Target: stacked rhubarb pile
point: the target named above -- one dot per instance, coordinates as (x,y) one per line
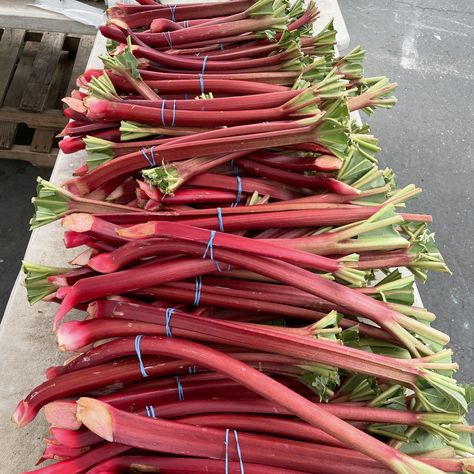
(241,302)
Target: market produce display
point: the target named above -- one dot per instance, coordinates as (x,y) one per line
(240,277)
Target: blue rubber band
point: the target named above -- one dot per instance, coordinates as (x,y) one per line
(221,46)
(197,54)
(174,113)
(201,82)
(204,62)
(192,370)
(173,11)
(139,355)
(169,313)
(197,294)
(239,185)
(186,96)
(163,113)
(180,389)
(151,160)
(186,23)
(150,411)
(209,248)
(239,192)
(239,452)
(169,39)
(220,219)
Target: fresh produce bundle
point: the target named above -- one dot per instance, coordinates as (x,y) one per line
(241,285)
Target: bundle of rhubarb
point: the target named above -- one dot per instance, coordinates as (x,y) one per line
(241,285)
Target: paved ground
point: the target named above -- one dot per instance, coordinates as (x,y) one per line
(426,46)
(17,185)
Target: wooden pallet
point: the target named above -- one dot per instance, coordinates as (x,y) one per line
(37,70)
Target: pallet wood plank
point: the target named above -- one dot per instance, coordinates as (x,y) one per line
(39,84)
(8,129)
(23,152)
(82,56)
(53,119)
(43,138)
(10,46)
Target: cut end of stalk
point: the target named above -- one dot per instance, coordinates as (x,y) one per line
(23,414)
(78,222)
(139,231)
(75,104)
(68,336)
(103,264)
(62,414)
(96,416)
(51,203)
(329,163)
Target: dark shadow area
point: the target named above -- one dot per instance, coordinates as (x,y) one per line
(17,186)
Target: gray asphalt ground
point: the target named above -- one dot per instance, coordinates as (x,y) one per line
(427,48)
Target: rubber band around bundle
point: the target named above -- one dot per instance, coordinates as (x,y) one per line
(169,39)
(186,23)
(150,411)
(239,451)
(209,248)
(239,185)
(192,369)
(220,219)
(173,12)
(197,294)
(139,355)
(180,389)
(150,159)
(169,313)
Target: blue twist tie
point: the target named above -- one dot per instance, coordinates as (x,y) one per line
(180,389)
(150,411)
(239,452)
(150,159)
(139,355)
(169,313)
(209,249)
(173,11)
(169,39)
(163,113)
(220,219)
(197,294)
(174,113)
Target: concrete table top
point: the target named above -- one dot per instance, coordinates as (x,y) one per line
(27,343)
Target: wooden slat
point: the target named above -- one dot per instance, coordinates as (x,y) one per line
(53,119)
(71,42)
(82,56)
(43,138)
(15,92)
(39,84)
(10,46)
(23,152)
